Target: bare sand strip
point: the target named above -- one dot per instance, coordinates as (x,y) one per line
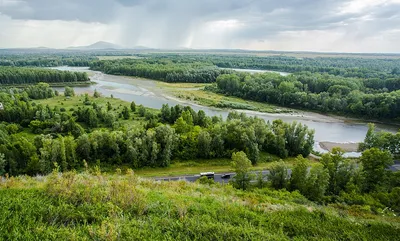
(346,147)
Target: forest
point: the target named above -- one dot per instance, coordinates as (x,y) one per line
(70,141)
(21,76)
(92,132)
(45,60)
(358,87)
(35,139)
(164,70)
(375,99)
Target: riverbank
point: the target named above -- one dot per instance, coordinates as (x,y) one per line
(346,147)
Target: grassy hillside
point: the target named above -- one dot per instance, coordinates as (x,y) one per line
(94,206)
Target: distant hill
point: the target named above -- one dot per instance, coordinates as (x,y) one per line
(99,45)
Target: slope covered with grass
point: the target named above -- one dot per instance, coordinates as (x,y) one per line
(95,206)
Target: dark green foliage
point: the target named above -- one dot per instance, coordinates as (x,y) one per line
(320,92)
(125,113)
(133,106)
(241,165)
(69,91)
(160,69)
(96,94)
(45,60)
(381,140)
(16,76)
(340,171)
(375,162)
(278,176)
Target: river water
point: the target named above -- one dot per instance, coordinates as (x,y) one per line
(146,92)
(255,71)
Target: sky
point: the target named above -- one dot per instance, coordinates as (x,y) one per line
(288,25)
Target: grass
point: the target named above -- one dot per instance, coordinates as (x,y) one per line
(96,206)
(195,92)
(192,167)
(208,98)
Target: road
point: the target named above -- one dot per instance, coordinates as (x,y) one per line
(193,178)
(218,176)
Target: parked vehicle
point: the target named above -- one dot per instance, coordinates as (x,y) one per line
(209,175)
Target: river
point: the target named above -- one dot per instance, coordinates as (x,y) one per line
(147,93)
(256,71)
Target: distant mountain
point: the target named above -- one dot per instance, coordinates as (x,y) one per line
(99,45)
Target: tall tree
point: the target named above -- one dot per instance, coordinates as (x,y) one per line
(375,163)
(241,165)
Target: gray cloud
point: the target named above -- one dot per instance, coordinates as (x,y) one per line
(173,23)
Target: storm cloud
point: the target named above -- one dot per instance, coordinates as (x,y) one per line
(325,25)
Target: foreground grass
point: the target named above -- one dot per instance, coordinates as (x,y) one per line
(95,206)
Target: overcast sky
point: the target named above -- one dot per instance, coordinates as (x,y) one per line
(308,25)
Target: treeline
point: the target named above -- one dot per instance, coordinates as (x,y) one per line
(164,70)
(92,132)
(342,66)
(367,184)
(320,92)
(29,60)
(17,75)
(382,140)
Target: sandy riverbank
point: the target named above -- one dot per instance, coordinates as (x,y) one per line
(346,147)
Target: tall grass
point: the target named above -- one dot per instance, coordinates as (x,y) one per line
(95,206)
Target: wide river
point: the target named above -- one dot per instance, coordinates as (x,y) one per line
(147,93)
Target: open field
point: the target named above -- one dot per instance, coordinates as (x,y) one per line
(194,92)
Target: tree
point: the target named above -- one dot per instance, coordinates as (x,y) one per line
(3,163)
(125,113)
(133,106)
(241,165)
(96,94)
(92,118)
(374,164)
(316,184)
(83,147)
(340,171)
(204,144)
(166,113)
(299,175)
(278,176)
(109,119)
(142,111)
(69,91)
(109,106)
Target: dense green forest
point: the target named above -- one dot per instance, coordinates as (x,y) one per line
(341,66)
(378,99)
(18,76)
(35,139)
(92,132)
(85,132)
(164,70)
(360,87)
(45,60)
